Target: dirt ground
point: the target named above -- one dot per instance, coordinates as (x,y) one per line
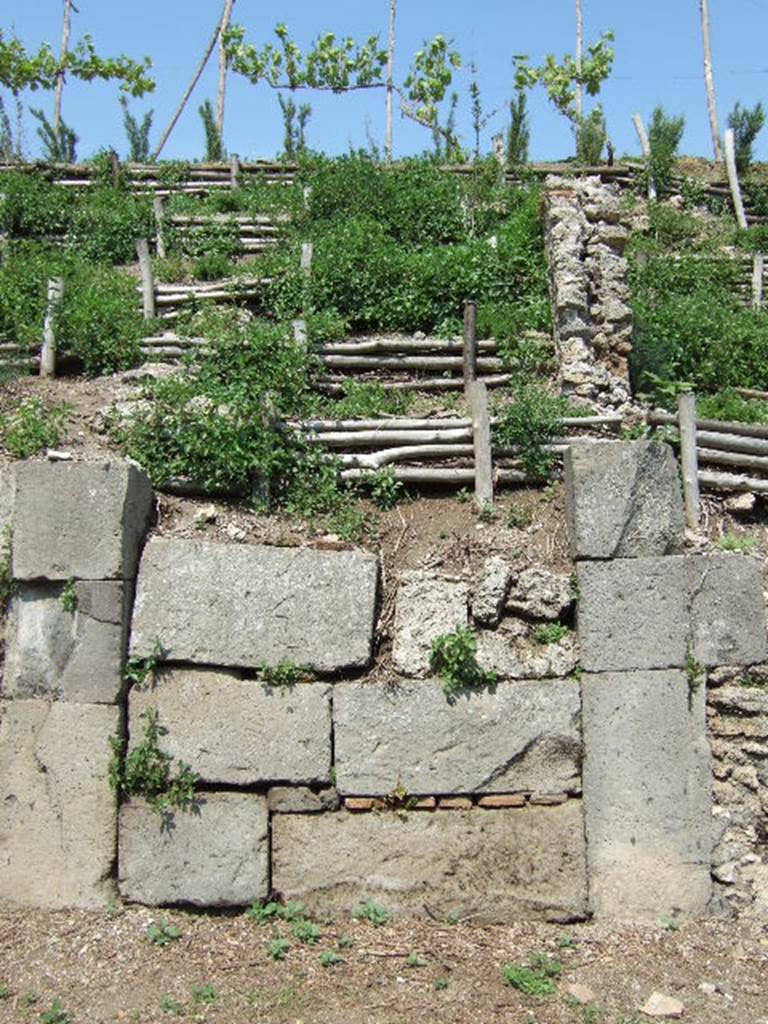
(101,967)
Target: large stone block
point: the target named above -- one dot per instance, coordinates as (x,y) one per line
(427,606)
(519,737)
(498,865)
(57,813)
(241,732)
(727,609)
(244,605)
(69,655)
(647,797)
(214,855)
(654,612)
(623,500)
(79,519)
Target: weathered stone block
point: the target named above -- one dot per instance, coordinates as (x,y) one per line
(632,613)
(491,590)
(518,656)
(214,855)
(623,500)
(57,813)
(244,605)
(69,655)
(727,609)
(540,594)
(496,865)
(241,732)
(427,607)
(300,800)
(79,519)
(646,795)
(519,737)
(653,612)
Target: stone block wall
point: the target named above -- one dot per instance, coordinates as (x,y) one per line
(579,783)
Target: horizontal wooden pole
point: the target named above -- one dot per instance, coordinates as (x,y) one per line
(723,458)
(376,345)
(430,475)
(732,482)
(658,418)
(488,363)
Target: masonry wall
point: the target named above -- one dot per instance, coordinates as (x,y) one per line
(579,784)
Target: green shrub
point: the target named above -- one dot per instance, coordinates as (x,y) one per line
(105,224)
(31,207)
(528,981)
(529,422)
(747,125)
(100,320)
(664,135)
(32,427)
(453,657)
(727,405)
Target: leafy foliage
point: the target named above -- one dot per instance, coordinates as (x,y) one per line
(373,912)
(747,125)
(519,132)
(294,126)
(57,147)
(32,427)
(146,770)
(592,137)
(137,133)
(527,980)
(528,423)
(453,657)
(664,135)
(214,147)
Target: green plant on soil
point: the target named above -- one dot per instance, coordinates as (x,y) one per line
(32,427)
(203,995)
(330,958)
(56,1015)
(278,947)
(290,911)
(163,933)
(528,981)
(386,490)
(453,657)
(528,423)
(146,770)
(552,633)
(307,932)
(733,542)
(372,912)
(168,1005)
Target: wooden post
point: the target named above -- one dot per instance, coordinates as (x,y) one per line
(498,151)
(147,279)
(300,333)
(733,179)
(48,348)
(268,423)
(115,163)
(234,170)
(686,424)
(306,258)
(758,268)
(158,205)
(470,344)
(645,146)
(477,393)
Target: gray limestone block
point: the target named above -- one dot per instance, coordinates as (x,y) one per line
(238,731)
(632,613)
(68,655)
(648,613)
(7,500)
(58,815)
(511,655)
(213,855)
(246,605)
(427,607)
(647,795)
(79,519)
(497,865)
(517,737)
(727,609)
(623,500)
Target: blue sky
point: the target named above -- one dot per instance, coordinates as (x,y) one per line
(658,60)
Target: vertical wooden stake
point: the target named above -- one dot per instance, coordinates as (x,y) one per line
(115,162)
(686,422)
(300,333)
(645,146)
(477,394)
(470,344)
(147,278)
(234,170)
(306,258)
(758,269)
(158,204)
(268,421)
(48,348)
(733,179)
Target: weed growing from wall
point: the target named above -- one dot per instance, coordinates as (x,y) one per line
(146,770)
(453,657)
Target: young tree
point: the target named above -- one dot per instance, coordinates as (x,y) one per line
(709,80)
(294,126)
(214,150)
(519,133)
(20,69)
(747,125)
(562,80)
(137,133)
(59,146)
(344,66)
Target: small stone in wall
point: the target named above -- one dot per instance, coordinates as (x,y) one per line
(491,589)
(427,606)
(540,594)
(740,504)
(512,653)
